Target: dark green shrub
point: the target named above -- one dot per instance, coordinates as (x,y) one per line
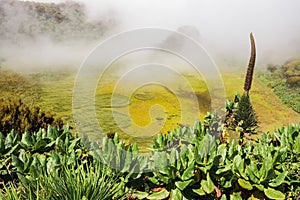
(244,116)
(293,81)
(16,115)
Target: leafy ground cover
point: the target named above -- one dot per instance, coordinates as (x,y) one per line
(187,163)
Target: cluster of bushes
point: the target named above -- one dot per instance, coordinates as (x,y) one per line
(285,82)
(18,116)
(290,71)
(188,163)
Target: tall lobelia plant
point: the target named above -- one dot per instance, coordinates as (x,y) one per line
(245,118)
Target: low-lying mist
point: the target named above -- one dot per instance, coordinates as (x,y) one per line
(36,35)
(55,33)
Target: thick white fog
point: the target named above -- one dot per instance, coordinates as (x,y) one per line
(223,27)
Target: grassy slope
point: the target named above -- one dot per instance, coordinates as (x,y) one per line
(271,112)
(56,96)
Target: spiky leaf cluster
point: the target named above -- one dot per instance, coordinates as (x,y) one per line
(245,116)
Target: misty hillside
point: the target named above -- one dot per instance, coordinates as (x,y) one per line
(25,21)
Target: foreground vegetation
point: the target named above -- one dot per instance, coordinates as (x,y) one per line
(188,163)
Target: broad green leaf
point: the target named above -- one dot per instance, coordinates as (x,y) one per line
(182,184)
(266,167)
(183,156)
(25,158)
(279,179)
(12,150)
(116,139)
(245,184)
(223,197)
(259,187)
(135,149)
(222,151)
(73,144)
(40,144)
(159,140)
(50,144)
(160,159)
(188,173)
(165,171)
(232,149)
(140,195)
(173,157)
(236,162)
(207,185)
(105,144)
(235,196)
(273,194)
(225,169)
(241,169)
(10,139)
(27,139)
(52,133)
(251,175)
(199,191)
(190,154)
(127,163)
(143,160)
(154,180)
(163,178)
(17,163)
(225,182)
(39,135)
(176,194)
(159,195)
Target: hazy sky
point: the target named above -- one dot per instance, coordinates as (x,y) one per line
(224,25)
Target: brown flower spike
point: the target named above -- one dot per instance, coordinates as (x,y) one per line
(250,69)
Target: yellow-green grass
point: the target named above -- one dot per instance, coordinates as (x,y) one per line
(271,112)
(56,96)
